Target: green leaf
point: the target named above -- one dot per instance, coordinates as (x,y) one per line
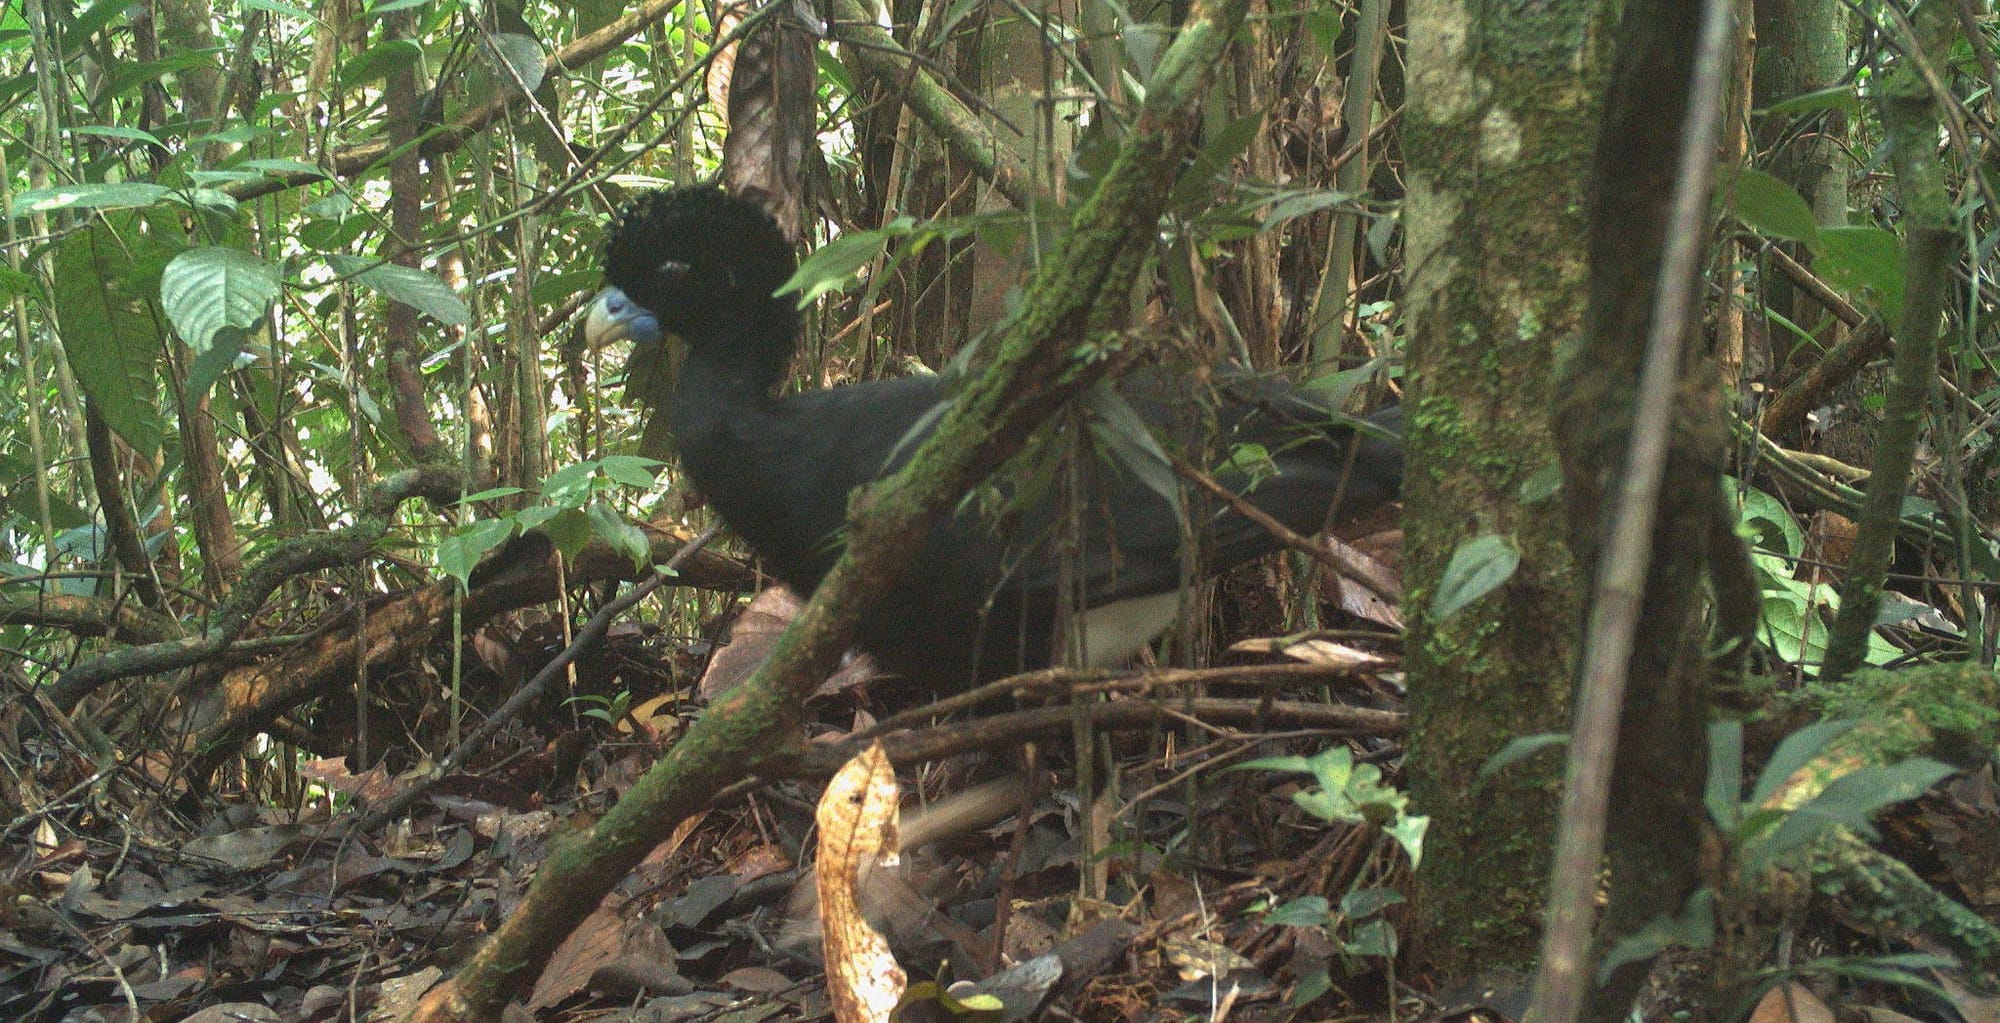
(621,534)
(517,56)
(380,61)
(1305,911)
(1296,765)
(1793,628)
(1313,983)
(283,166)
(1541,484)
(1131,444)
(1478,567)
(1850,801)
(1519,748)
(1367,902)
(331,234)
(1692,927)
(1303,204)
(569,486)
(569,530)
(1794,752)
(1839,97)
(1221,147)
(1865,262)
(1760,507)
(1375,938)
(1408,830)
(489,494)
(210,289)
(116,131)
(425,292)
(89,196)
(109,329)
(1724,793)
(15,282)
(832,268)
(1774,207)
(214,296)
(460,552)
(630,470)
(274,7)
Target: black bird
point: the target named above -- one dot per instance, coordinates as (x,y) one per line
(981,598)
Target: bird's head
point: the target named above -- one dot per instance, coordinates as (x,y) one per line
(693,261)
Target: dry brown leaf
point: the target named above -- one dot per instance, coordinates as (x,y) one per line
(1316,651)
(1790,1003)
(857,828)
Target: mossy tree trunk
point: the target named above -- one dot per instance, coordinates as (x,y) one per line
(1802,48)
(1498,132)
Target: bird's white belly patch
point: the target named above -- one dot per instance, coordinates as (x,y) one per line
(1113,632)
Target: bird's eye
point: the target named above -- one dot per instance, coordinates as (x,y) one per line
(672,269)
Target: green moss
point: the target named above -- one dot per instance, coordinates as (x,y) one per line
(1932,708)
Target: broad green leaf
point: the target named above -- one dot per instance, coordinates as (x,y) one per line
(1541,484)
(1761,508)
(517,57)
(833,266)
(109,329)
(1408,830)
(1692,927)
(1220,149)
(1520,748)
(1850,801)
(569,530)
(274,7)
(1775,208)
(1724,794)
(282,166)
(15,282)
(460,552)
(209,364)
(1367,902)
(1303,204)
(89,196)
(118,131)
(380,61)
(621,534)
(1794,630)
(569,486)
(1125,436)
(1304,911)
(427,293)
(1839,97)
(223,178)
(1478,567)
(210,289)
(1794,752)
(1374,938)
(1865,262)
(489,494)
(123,77)
(630,470)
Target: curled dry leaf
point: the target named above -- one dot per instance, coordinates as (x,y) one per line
(857,827)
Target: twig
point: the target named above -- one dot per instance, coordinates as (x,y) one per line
(586,638)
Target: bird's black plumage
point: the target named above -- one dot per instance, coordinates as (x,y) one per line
(981,598)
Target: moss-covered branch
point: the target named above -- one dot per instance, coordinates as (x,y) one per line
(878,54)
(1910,122)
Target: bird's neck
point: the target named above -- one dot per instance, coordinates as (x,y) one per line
(743,362)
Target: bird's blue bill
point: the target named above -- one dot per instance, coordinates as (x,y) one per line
(614,317)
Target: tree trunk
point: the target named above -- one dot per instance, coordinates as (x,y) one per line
(1498,131)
